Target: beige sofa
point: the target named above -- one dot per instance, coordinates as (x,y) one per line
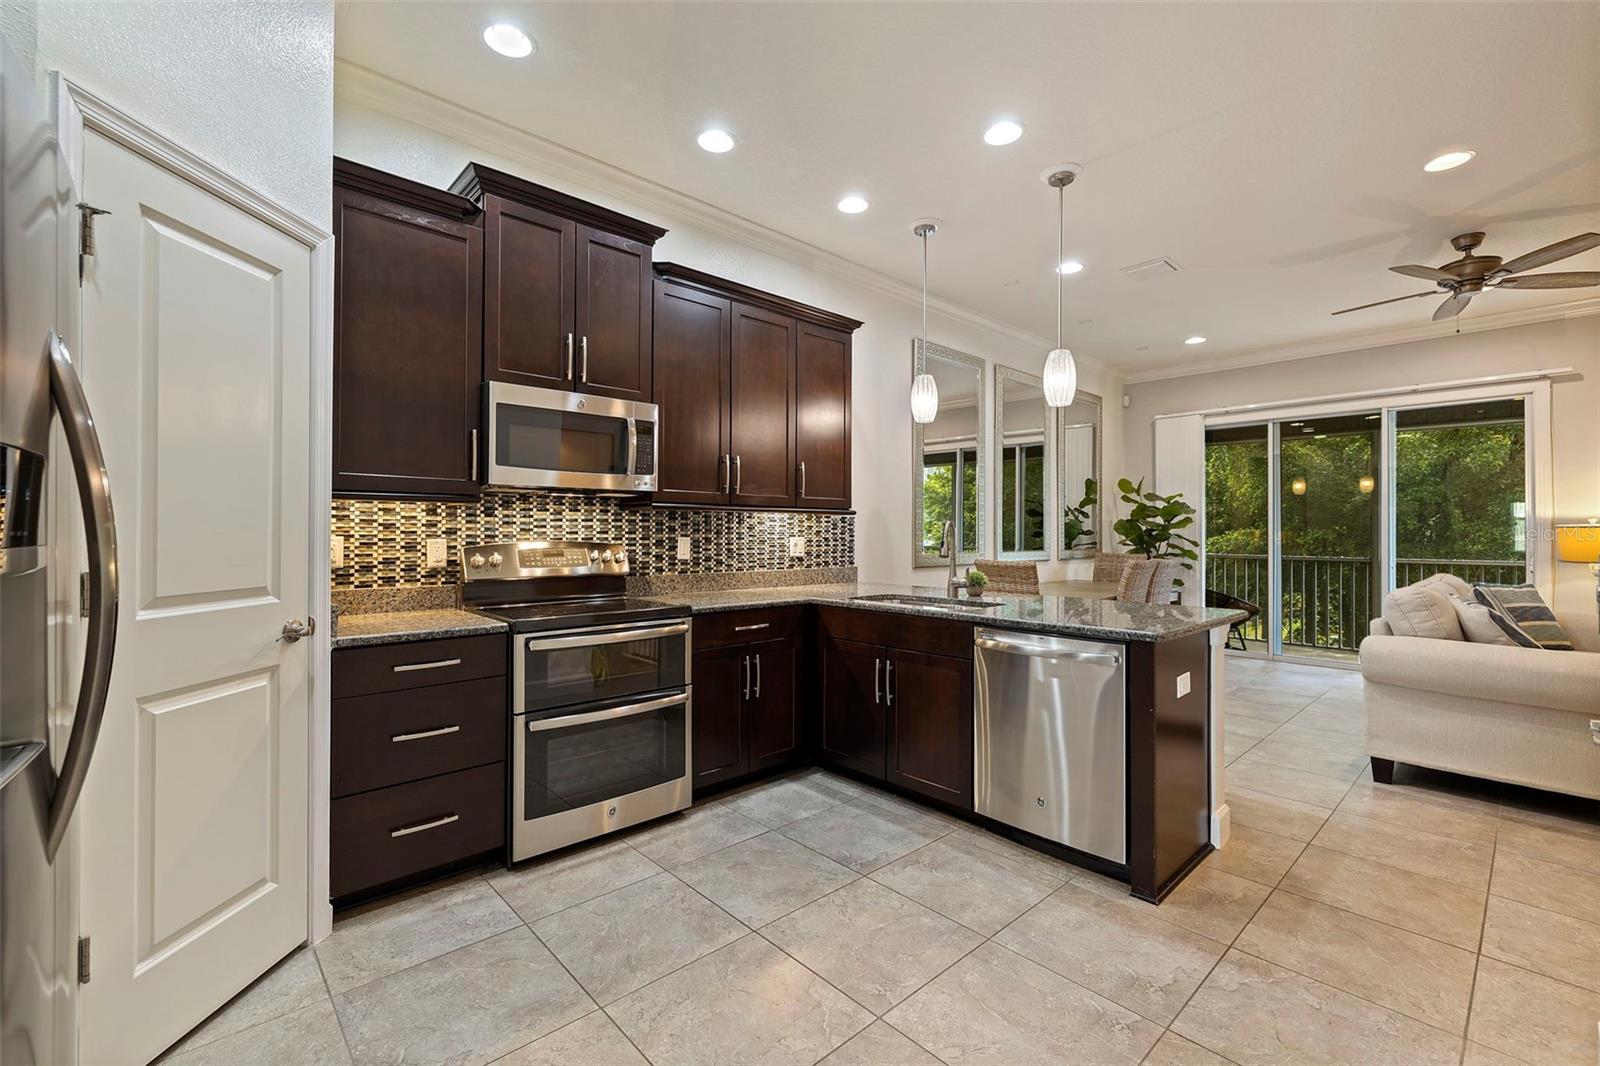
(1520,715)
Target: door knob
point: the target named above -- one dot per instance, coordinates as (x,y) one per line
(294,629)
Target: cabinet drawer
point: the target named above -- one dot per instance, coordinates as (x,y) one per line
(388,667)
(392,833)
(392,737)
(907,632)
(746,627)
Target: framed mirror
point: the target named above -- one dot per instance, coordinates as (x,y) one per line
(1024,497)
(948,457)
(1078,460)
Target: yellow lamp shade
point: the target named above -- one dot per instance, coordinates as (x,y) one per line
(1578,542)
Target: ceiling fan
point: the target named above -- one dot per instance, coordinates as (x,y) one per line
(1472,274)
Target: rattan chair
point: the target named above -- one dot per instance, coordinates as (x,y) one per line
(1108,566)
(1016,578)
(1149,581)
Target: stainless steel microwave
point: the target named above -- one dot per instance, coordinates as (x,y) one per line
(552,439)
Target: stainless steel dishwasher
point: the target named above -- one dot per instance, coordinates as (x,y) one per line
(1051,738)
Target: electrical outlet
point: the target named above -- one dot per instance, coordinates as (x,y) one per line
(685,549)
(437,552)
(1183,684)
(336,551)
(797,547)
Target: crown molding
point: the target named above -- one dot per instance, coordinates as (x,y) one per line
(1356,342)
(379,92)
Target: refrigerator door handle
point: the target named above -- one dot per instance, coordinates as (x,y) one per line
(100,535)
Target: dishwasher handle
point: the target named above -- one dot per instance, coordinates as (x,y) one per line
(1046,648)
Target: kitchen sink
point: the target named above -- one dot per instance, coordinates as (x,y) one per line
(939,602)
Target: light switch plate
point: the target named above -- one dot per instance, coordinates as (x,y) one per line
(436,552)
(1183,684)
(336,551)
(797,547)
(685,549)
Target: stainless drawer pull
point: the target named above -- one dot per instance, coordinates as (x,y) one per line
(427,666)
(616,635)
(422,827)
(400,738)
(755,625)
(540,725)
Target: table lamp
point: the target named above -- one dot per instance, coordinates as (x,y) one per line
(1579,542)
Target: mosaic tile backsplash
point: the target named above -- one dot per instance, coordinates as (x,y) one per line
(384,540)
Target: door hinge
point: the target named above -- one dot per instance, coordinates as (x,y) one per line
(83,594)
(83,960)
(86,212)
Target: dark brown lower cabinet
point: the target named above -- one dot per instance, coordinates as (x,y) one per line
(745,709)
(853,724)
(929,704)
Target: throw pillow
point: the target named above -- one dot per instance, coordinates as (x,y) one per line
(1421,610)
(1448,584)
(1477,626)
(1522,614)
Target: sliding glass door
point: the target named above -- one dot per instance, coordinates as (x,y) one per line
(1312,519)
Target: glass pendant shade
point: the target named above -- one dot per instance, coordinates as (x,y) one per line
(1060,378)
(924,399)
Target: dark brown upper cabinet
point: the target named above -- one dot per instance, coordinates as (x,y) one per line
(754,391)
(407,336)
(566,288)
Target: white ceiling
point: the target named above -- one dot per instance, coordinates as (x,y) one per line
(1273,151)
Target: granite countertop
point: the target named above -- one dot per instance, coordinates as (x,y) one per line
(1061,615)
(396,627)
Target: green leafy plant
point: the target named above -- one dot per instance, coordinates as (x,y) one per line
(977,580)
(1154,525)
(1076,524)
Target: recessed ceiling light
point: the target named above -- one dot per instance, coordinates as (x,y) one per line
(853,205)
(1196,339)
(1069,266)
(508,40)
(1449,160)
(715,140)
(1002,132)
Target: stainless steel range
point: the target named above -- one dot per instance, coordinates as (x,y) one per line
(600,691)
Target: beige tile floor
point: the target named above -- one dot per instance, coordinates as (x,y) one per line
(811,919)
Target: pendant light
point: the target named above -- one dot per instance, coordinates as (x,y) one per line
(1060,369)
(924,390)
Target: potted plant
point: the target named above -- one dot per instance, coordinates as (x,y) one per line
(977,581)
(1154,525)
(1077,523)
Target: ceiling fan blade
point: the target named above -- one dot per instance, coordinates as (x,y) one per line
(1426,273)
(1551,252)
(1380,303)
(1570,279)
(1453,306)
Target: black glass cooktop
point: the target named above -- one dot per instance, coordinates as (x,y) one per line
(574,614)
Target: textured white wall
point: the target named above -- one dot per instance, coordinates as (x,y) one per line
(882,350)
(1575,402)
(247,85)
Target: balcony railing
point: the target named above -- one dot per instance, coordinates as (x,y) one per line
(1328,600)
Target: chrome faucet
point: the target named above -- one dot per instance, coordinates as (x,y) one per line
(947,550)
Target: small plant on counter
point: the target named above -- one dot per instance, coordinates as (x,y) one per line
(1076,521)
(1154,524)
(977,581)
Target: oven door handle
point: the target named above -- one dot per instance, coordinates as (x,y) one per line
(609,713)
(614,636)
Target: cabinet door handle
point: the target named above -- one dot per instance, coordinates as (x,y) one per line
(802,479)
(401,738)
(569,357)
(877,690)
(748,628)
(727,473)
(423,827)
(738,474)
(406,668)
(758,676)
(583,362)
(473,444)
(747,677)
(888,682)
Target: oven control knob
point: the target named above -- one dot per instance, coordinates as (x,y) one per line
(476,562)
(622,558)
(605,556)
(594,556)
(495,560)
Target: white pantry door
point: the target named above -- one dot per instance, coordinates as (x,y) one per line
(197,350)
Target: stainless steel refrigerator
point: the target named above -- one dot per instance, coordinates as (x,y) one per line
(43,763)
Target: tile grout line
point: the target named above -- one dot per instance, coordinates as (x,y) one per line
(332,1002)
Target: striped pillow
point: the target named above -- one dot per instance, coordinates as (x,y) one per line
(1522,615)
